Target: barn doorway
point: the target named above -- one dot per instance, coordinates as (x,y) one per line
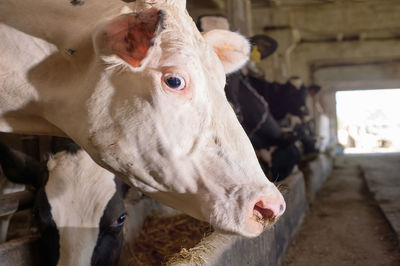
(368,120)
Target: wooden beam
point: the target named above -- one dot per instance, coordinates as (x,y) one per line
(239,15)
(219,3)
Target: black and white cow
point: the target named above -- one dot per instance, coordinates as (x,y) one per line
(283,99)
(276,149)
(287,103)
(79,206)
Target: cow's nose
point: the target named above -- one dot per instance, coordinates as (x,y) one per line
(264,212)
(269,210)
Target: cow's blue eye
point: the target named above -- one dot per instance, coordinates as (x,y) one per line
(174,81)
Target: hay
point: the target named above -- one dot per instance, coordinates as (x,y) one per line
(193,256)
(162,237)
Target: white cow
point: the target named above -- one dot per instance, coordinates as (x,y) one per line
(142,91)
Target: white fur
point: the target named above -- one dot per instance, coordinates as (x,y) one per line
(296,82)
(186,149)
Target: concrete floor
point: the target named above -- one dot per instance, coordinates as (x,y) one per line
(345,224)
(382,174)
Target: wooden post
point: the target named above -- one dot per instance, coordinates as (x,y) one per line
(239,15)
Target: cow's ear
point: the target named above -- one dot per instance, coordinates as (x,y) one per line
(20,168)
(232,48)
(129,36)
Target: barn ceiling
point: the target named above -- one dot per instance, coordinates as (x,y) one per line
(206,4)
(220,4)
(287,2)
(273,3)
(317,20)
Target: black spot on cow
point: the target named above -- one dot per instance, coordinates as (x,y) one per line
(49,243)
(111,232)
(77,2)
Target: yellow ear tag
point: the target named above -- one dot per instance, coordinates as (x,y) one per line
(255,55)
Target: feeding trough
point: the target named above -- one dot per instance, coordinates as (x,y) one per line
(176,239)
(158,231)
(315,173)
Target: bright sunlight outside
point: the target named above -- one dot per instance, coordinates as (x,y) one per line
(369,120)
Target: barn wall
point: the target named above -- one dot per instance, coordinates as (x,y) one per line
(338,45)
(313,32)
(336,31)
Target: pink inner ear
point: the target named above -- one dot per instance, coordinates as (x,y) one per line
(130,35)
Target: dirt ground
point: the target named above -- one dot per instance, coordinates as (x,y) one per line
(344,226)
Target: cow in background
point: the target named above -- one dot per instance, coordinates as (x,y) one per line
(288,105)
(276,148)
(283,99)
(79,207)
(276,118)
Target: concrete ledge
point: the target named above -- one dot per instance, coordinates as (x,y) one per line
(315,173)
(383,182)
(265,250)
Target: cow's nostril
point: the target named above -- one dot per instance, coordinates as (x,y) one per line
(263,213)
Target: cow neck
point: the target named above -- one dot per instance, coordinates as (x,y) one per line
(63,93)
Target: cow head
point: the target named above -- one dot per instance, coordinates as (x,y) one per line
(157,115)
(79,207)
(295,97)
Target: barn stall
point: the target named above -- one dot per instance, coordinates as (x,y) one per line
(329,53)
